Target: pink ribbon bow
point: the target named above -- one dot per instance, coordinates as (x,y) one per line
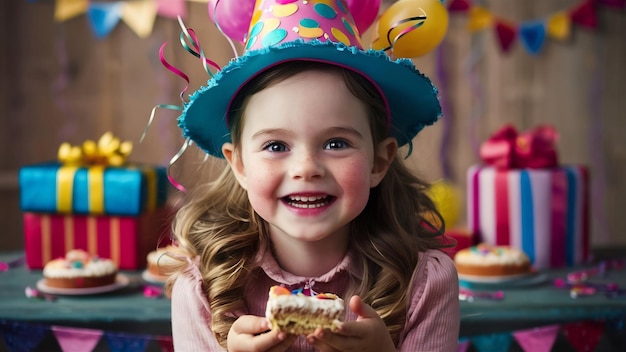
(508,149)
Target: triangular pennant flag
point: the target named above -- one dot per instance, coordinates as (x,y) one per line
(126,343)
(583,336)
(559,26)
(76,339)
(463,345)
(66,9)
(479,18)
(585,15)
(533,35)
(538,339)
(166,343)
(172,8)
(21,337)
(506,35)
(104,17)
(492,342)
(140,16)
(459,5)
(615,332)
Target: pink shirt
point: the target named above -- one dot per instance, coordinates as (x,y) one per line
(432,318)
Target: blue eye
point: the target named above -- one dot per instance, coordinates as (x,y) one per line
(336,144)
(275,147)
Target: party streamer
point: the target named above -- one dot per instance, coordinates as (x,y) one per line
(59,87)
(478,109)
(217,24)
(448,117)
(596,143)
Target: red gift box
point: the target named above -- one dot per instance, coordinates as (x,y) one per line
(464,239)
(126,240)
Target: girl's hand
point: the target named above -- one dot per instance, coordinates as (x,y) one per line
(252,333)
(367,333)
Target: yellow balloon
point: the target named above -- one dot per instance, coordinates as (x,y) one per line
(405,14)
(447,200)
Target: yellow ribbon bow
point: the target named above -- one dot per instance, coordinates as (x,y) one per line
(108,151)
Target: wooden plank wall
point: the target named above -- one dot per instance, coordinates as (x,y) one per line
(60,83)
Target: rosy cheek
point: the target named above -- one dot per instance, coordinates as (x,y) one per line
(355,179)
(261,186)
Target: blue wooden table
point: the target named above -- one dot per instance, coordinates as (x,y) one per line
(126,309)
(538,302)
(534,304)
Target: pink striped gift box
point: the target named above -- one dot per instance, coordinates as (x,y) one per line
(542,211)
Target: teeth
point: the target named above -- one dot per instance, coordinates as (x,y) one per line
(307,206)
(307,202)
(306,199)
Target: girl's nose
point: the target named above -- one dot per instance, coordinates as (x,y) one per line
(306,166)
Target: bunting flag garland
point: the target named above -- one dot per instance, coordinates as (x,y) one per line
(21,337)
(506,34)
(585,336)
(76,339)
(559,26)
(172,8)
(67,9)
(538,339)
(578,336)
(140,15)
(492,342)
(26,337)
(533,33)
(458,5)
(104,16)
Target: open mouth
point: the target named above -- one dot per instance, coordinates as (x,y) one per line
(308,202)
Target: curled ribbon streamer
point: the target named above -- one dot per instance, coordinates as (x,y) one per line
(404,31)
(188,34)
(178,154)
(173,69)
(175,158)
(506,149)
(219,28)
(447,112)
(153,114)
(471,70)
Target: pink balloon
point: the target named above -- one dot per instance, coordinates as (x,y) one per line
(364,13)
(232,16)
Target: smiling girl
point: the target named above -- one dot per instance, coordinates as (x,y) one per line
(314,194)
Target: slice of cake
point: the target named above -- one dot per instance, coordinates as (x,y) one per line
(487,260)
(78,269)
(299,314)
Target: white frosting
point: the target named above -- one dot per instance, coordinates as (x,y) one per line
(484,255)
(300,314)
(61,268)
(304,303)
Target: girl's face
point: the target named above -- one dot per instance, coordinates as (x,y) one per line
(306,157)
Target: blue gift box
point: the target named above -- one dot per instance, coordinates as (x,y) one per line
(129,190)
